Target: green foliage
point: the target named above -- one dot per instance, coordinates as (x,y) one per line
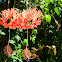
(34,31)
(11,41)
(17,37)
(2,33)
(18,55)
(24,42)
(56,10)
(48,18)
(33,35)
(33,38)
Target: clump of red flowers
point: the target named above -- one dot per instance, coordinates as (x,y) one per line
(32,18)
(27,19)
(9,18)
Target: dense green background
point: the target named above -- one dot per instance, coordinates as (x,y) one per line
(45,34)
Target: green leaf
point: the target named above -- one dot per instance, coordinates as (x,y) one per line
(18,37)
(48,0)
(48,18)
(2,33)
(34,31)
(11,41)
(36,1)
(47,10)
(33,38)
(51,26)
(14,60)
(24,41)
(50,31)
(42,6)
(56,10)
(51,11)
(51,1)
(19,45)
(61,0)
(15,46)
(46,4)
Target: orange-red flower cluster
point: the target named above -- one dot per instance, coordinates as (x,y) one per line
(9,18)
(21,20)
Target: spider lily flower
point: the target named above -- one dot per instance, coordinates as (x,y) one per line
(9,18)
(31,18)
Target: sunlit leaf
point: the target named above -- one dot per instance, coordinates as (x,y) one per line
(50,31)
(18,37)
(52,11)
(24,41)
(61,0)
(51,1)
(48,18)
(56,10)
(19,45)
(2,33)
(11,41)
(47,10)
(34,31)
(33,38)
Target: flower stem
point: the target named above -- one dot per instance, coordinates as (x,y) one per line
(27,4)
(9,36)
(8,3)
(8,43)
(27,37)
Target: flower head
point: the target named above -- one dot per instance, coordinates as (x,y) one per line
(27,19)
(31,18)
(9,18)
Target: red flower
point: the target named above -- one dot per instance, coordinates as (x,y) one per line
(26,20)
(30,18)
(9,18)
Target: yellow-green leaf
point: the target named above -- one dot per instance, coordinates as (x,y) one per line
(48,18)
(56,10)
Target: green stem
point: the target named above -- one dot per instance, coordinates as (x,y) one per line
(8,3)
(14,3)
(27,4)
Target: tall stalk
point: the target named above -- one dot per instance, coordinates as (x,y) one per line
(8,43)
(8,3)
(27,42)
(9,36)
(14,3)
(27,35)
(26,47)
